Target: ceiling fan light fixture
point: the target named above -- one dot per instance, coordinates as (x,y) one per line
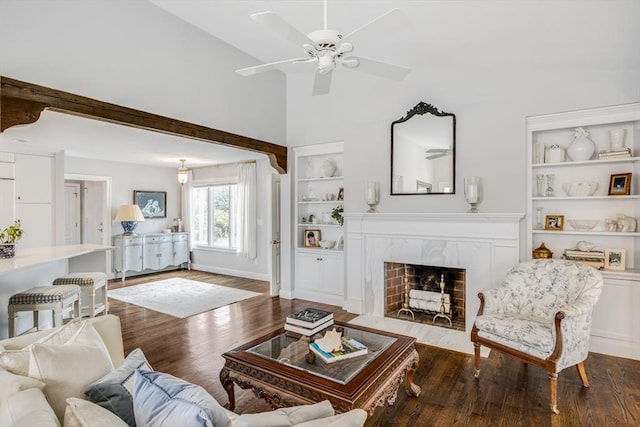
(183,173)
(325,62)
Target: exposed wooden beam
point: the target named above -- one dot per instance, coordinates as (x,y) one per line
(21,103)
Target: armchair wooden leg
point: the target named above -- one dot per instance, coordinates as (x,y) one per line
(476,350)
(553,391)
(583,374)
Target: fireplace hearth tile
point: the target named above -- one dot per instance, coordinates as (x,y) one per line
(424,334)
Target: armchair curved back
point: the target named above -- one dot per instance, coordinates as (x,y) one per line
(541,287)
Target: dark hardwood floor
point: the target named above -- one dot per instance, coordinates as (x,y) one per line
(509,393)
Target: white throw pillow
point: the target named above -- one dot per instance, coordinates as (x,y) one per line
(17,361)
(27,408)
(12,383)
(69,368)
(82,413)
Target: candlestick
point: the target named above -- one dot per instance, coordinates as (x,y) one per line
(372,195)
(472,192)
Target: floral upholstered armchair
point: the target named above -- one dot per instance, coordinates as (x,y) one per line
(541,313)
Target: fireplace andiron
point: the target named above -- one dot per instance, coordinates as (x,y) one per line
(442,311)
(405,303)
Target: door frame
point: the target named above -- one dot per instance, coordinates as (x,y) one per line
(106,215)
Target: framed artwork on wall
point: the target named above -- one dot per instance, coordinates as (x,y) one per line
(153,204)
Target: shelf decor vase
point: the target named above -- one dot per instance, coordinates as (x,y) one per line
(581,147)
(327,168)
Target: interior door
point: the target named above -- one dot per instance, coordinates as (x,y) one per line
(72,213)
(276,272)
(94,207)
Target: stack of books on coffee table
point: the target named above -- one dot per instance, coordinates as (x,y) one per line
(350,348)
(309,321)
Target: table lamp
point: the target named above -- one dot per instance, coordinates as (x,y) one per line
(129,216)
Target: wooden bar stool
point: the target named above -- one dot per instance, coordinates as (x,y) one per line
(89,283)
(56,298)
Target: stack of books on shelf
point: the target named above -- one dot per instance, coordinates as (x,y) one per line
(350,348)
(592,258)
(308,321)
(615,153)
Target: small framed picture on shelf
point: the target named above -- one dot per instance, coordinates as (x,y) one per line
(620,184)
(554,222)
(614,259)
(312,238)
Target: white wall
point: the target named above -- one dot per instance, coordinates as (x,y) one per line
(126,178)
(134,54)
(587,55)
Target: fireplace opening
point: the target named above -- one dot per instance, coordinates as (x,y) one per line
(425,294)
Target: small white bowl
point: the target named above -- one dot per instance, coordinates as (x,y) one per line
(327,244)
(580,188)
(583,224)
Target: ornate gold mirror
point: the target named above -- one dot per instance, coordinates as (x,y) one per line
(423,152)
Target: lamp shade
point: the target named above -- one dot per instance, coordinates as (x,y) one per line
(129,213)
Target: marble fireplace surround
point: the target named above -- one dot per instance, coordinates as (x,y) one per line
(486,245)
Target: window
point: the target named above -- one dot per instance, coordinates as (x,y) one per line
(214,217)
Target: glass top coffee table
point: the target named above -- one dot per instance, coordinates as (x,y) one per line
(277,368)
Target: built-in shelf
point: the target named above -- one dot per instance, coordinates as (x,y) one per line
(616,317)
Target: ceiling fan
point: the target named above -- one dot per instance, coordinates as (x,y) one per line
(436,153)
(328,47)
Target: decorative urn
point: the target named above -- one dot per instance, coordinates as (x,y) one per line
(581,147)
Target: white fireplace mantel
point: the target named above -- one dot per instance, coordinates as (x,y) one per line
(486,245)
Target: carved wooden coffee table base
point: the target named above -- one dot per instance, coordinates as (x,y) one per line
(281,386)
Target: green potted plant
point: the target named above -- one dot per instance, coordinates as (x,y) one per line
(8,238)
(336,213)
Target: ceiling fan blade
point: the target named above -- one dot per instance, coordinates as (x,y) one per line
(381,69)
(275,23)
(322,83)
(250,71)
(392,21)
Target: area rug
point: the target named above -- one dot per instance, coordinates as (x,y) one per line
(180,297)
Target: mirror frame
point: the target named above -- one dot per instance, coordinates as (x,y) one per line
(423,108)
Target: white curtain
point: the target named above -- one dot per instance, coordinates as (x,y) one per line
(246,211)
(186,207)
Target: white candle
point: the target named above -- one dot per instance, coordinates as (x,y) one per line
(371,194)
(472,193)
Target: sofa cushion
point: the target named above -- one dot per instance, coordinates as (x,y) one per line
(114,391)
(287,416)
(12,383)
(82,413)
(163,400)
(67,369)
(17,361)
(27,408)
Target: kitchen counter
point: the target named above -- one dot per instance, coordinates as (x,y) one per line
(41,266)
(35,256)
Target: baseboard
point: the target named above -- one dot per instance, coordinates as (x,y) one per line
(230,272)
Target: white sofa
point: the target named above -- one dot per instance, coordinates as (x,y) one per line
(62,362)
